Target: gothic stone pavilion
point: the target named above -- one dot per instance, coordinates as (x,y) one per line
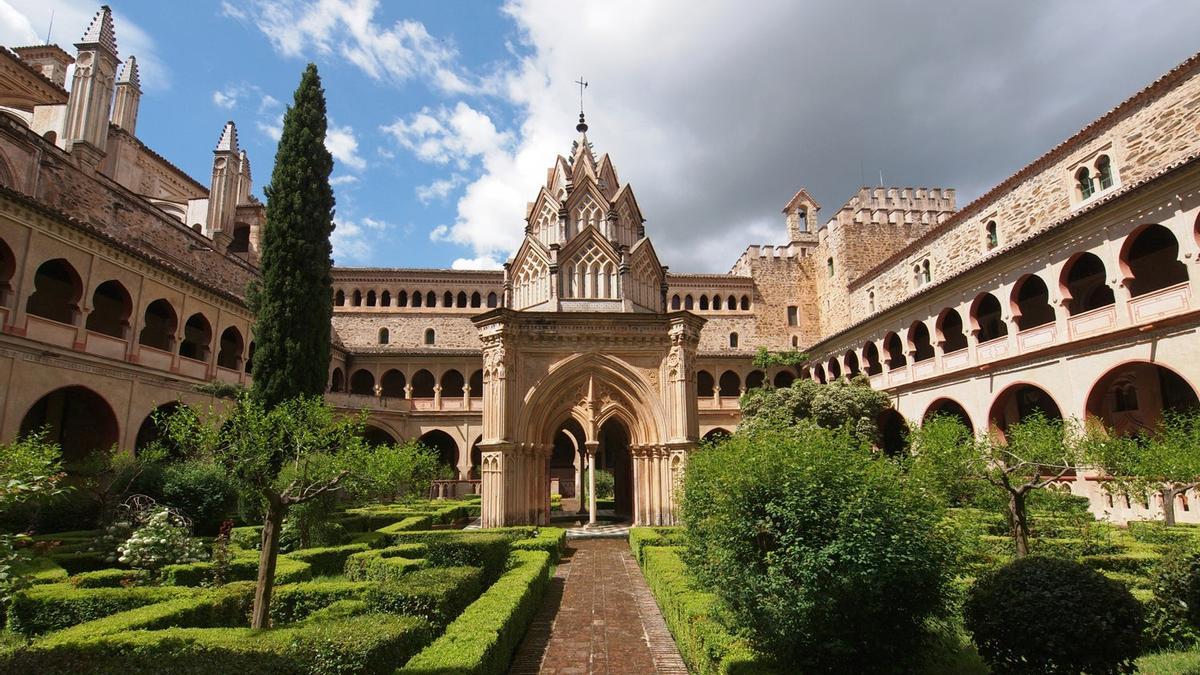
(1071,287)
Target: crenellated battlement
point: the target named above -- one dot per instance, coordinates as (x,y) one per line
(896,205)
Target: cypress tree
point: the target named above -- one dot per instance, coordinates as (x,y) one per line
(292,301)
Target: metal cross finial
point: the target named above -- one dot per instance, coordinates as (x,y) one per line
(582,85)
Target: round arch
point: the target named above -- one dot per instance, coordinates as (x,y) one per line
(1018,401)
(375,436)
(149,432)
(444,444)
(949,329)
(986,317)
(1132,396)
(111,308)
(1030,302)
(423,383)
(1150,260)
(893,432)
(57,290)
(392,383)
(80,420)
(950,407)
(783,378)
(1083,284)
(362,382)
(717,435)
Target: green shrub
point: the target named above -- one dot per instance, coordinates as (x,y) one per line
(482,640)
(222,607)
(484,550)
(410,524)
(1156,532)
(40,570)
(371,539)
(706,645)
(338,610)
(109,578)
(293,602)
(552,540)
(641,537)
(328,560)
(41,609)
(368,644)
(202,490)
(249,537)
(242,568)
(1131,561)
(1173,613)
(1019,628)
(435,594)
(818,547)
(386,564)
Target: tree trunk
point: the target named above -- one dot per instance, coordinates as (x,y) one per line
(1168,495)
(1018,522)
(260,616)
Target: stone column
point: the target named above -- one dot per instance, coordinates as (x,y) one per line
(591,446)
(579,479)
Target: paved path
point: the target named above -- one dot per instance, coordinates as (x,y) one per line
(598,617)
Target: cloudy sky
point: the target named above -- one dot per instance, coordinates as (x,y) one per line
(444,116)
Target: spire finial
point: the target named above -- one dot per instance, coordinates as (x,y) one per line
(582,127)
(100,31)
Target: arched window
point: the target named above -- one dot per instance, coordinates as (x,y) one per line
(716,303)
(1084,183)
(491,300)
(476,299)
(422,384)
(1104,172)
(835,369)
(755,379)
(818,372)
(783,379)
(926,273)
(731,384)
(339,298)
(383,336)
(745,303)
(448,299)
(991,235)
(918,338)
(370,298)
(402,299)
(1085,285)
(476,383)
(362,382)
(733,340)
(417,299)
(462,299)
(431,299)
(230,354)
(356,298)
(392,384)
(337,381)
(159,326)
(430,336)
(675,302)
(687,302)
(56,294)
(704,384)
(987,319)
(851,360)
(1032,300)
(871,301)
(795,341)
(731,303)
(197,338)
(385,299)
(111,307)
(895,351)
(1151,257)
(452,384)
(871,356)
(950,326)
(703,302)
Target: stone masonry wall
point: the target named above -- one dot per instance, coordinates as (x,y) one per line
(406,331)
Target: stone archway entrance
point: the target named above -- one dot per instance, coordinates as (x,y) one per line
(613,456)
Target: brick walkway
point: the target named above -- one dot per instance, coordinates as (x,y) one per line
(598,617)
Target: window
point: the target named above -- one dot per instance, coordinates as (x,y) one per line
(793,316)
(429,336)
(733,340)
(1087,187)
(926,274)
(829,266)
(1104,171)
(992,235)
(795,341)
(383,336)
(802,220)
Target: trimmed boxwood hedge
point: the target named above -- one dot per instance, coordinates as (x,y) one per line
(435,594)
(293,602)
(705,644)
(552,540)
(243,567)
(449,548)
(385,564)
(482,640)
(409,524)
(641,537)
(370,643)
(113,578)
(328,560)
(40,609)
(41,570)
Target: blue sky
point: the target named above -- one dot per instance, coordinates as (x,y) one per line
(444,116)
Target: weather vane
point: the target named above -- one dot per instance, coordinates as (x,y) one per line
(582,126)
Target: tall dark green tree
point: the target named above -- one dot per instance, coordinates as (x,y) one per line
(292,301)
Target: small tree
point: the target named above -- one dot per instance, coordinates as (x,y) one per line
(400,471)
(1028,456)
(30,470)
(290,454)
(1165,460)
(853,404)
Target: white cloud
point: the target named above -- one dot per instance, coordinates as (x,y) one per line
(342,144)
(439,189)
(450,135)
(226,98)
(344,179)
(272,128)
(233,11)
(25,22)
(348,29)
(480,263)
(355,241)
